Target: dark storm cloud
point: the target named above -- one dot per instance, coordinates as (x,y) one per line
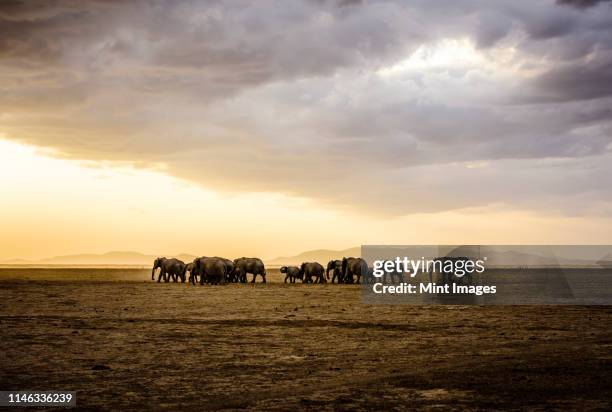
(589,80)
(581,4)
(302,98)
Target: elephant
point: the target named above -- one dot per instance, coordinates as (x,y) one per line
(169,267)
(310,269)
(210,269)
(292,273)
(392,276)
(336,266)
(229,270)
(450,276)
(354,267)
(244,265)
(189,268)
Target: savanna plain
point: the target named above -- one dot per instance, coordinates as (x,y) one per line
(124,342)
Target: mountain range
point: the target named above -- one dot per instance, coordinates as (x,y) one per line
(525,256)
(109,258)
(137,258)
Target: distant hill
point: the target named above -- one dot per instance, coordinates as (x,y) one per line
(320,255)
(141,259)
(110,258)
(504,256)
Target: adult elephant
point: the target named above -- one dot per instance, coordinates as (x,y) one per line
(308,270)
(245,265)
(229,270)
(354,267)
(445,266)
(392,275)
(210,269)
(169,267)
(336,266)
(292,273)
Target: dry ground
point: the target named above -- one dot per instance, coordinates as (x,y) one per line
(133,344)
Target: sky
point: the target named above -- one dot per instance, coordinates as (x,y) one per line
(269,128)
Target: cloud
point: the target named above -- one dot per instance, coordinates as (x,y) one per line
(581,4)
(377,106)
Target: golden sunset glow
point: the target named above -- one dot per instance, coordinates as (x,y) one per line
(53,206)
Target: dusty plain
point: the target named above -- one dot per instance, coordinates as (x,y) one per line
(123,342)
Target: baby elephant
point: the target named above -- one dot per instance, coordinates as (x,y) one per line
(292,273)
(308,270)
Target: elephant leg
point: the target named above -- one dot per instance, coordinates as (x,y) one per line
(159,276)
(263,276)
(254,276)
(286,277)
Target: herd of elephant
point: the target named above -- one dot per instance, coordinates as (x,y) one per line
(216,270)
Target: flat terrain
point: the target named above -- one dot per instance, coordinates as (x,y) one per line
(126,343)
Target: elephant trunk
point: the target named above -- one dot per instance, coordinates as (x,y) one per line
(153,273)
